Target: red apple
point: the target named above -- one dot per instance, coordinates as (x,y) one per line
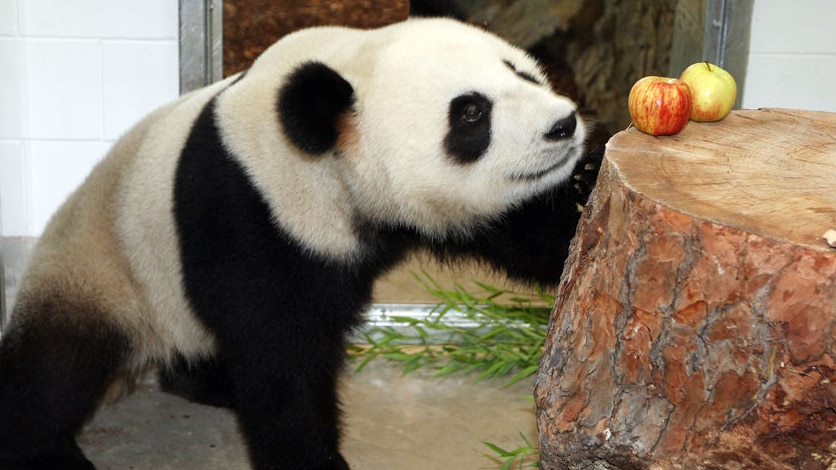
(660,105)
(713,91)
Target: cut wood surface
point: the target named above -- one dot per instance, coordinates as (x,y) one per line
(696,320)
(769,172)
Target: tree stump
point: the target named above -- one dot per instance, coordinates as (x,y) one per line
(695,323)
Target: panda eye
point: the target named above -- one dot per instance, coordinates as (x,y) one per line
(472,113)
(470,110)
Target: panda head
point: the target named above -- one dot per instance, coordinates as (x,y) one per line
(432,124)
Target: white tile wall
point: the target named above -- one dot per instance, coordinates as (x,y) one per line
(64,89)
(116,19)
(13,111)
(56,168)
(794,27)
(8,20)
(792,56)
(74,76)
(136,78)
(797,81)
(13,186)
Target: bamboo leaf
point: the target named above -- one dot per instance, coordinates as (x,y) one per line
(505,339)
(523,374)
(499,450)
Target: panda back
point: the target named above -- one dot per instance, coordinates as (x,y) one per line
(145,227)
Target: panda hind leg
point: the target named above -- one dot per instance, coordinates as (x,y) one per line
(54,368)
(205,381)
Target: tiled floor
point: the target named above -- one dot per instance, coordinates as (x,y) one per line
(413,422)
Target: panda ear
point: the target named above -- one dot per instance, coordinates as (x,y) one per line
(311,102)
(437,9)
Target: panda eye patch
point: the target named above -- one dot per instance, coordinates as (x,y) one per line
(469,133)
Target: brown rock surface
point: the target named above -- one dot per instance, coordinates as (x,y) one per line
(696,321)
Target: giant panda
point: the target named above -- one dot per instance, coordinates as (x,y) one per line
(232,237)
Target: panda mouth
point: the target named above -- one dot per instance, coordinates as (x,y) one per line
(569,158)
(539,174)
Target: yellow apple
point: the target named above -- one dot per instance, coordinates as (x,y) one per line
(659,105)
(713,91)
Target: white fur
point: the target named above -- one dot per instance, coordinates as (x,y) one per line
(389,167)
(146,228)
(394,170)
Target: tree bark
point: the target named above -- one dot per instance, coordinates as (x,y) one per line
(695,323)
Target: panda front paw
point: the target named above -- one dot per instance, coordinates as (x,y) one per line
(586,175)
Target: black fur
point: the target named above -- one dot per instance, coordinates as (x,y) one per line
(310,105)
(53,372)
(563,128)
(204,380)
(437,9)
(524,75)
(469,133)
(529,243)
(279,313)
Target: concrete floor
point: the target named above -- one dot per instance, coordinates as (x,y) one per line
(412,422)
(391,421)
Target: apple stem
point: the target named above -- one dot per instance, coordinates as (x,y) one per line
(708,65)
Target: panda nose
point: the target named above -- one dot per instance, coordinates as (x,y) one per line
(563,129)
